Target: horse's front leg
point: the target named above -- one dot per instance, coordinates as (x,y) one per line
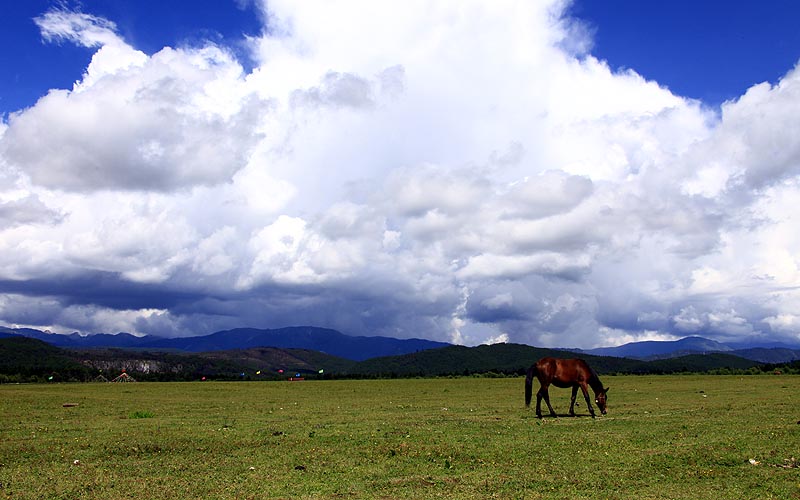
(588,401)
(572,401)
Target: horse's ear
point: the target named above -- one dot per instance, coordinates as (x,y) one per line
(605,390)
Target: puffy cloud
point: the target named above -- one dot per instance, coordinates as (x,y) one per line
(178,118)
(465,172)
(345,90)
(27,210)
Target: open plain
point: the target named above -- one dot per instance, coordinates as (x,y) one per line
(677,437)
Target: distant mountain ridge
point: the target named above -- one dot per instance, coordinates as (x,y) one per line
(355,348)
(655,349)
(323,340)
(650,348)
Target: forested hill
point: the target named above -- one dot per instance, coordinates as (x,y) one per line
(516,358)
(26,360)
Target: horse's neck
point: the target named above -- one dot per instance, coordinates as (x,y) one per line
(594,383)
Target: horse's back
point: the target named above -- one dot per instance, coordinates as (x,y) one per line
(547,364)
(564,372)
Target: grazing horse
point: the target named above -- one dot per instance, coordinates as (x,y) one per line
(564,373)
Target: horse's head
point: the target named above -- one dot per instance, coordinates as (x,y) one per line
(600,400)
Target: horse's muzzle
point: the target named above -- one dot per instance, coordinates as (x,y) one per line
(603,412)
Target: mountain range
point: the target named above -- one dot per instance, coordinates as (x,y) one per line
(355,348)
(300,337)
(768,352)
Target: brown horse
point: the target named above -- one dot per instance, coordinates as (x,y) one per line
(564,373)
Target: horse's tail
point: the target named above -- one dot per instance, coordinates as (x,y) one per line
(529,384)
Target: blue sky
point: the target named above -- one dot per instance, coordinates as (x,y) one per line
(548,173)
(709,50)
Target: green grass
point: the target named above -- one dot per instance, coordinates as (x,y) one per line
(681,437)
(142,414)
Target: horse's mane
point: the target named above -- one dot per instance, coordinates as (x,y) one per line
(594,380)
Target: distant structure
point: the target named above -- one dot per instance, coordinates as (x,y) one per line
(100,378)
(124,377)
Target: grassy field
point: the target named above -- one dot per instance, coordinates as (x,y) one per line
(682,437)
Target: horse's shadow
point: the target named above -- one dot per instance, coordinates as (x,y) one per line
(566,415)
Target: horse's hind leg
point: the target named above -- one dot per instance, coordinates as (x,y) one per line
(572,401)
(539,402)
